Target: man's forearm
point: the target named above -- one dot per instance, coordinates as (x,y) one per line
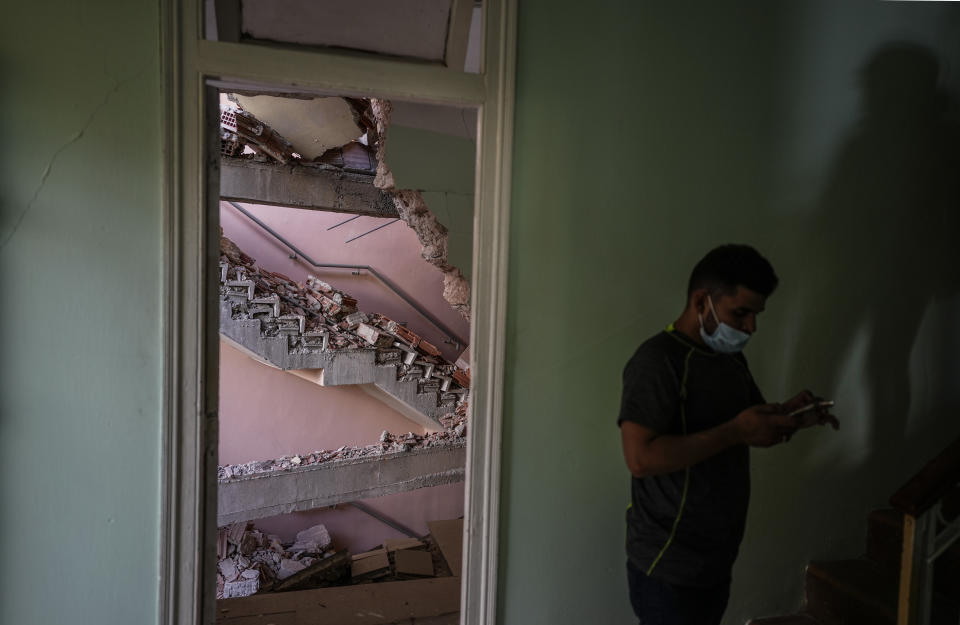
(668,453)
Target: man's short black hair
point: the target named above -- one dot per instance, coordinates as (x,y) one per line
(725,268)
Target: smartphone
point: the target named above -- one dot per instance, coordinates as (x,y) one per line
(817,404)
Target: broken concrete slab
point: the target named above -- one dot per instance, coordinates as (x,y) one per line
(306,186)
(314,486)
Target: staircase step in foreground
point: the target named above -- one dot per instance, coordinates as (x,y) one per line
(861,592)
(852,592)
(787,619)
(885,543)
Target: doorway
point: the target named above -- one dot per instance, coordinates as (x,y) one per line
(196,67)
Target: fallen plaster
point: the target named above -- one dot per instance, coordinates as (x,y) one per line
(415,213)
(455,429)
(312,126)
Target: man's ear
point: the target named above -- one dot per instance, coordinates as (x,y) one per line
(698,299)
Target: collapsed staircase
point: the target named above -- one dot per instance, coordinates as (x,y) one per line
(864,591)
(316,332)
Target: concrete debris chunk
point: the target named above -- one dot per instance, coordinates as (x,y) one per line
(288,567)
(249,543)
(228,568)
(312,540)
(242,588)
(373,336)
(351,321)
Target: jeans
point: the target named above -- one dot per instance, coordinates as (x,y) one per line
(659,603)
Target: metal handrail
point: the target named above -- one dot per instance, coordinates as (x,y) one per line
(921,501)
(457,340)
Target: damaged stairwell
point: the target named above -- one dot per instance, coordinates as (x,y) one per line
(263,165)
(316,331)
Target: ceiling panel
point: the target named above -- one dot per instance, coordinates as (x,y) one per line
(410,28)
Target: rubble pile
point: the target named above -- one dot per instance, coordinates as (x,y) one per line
(454,434)
(316,315)
(249,560)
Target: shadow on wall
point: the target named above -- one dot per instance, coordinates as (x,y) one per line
(883,253)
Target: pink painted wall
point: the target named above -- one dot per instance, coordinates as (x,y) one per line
(393,251)
(357,531)
(267,413)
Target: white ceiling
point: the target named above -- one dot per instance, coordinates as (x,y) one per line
(311,126)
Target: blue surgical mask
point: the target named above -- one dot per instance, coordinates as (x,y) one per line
(725,339)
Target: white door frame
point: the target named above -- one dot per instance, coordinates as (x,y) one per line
(191,252)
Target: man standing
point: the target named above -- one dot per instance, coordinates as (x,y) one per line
(689,412)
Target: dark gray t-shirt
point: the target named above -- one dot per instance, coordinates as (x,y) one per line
(685,527)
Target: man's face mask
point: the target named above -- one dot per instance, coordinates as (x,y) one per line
(725,339)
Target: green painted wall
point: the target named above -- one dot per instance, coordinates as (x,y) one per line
(80,265)
(647,133)
(442,167)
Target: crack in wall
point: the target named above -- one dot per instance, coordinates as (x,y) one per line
(413,210)
(48,169)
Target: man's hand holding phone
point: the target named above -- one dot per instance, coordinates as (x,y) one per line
(807,410)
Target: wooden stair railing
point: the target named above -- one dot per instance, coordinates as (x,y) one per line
(926,533)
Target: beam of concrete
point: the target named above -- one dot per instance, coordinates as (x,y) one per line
(339,481)
(313,187)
